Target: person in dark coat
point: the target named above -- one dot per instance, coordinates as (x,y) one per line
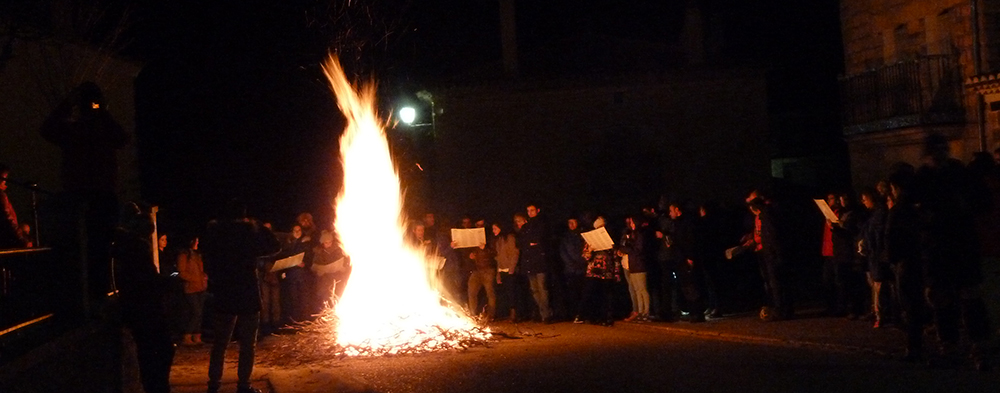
(574,266)
(295,299)
(667,269)
(141,292)
(633,260)
(903,239)
(231,247)
(873,250)
(849,269)
(713,240)
(689,262)
(533,265)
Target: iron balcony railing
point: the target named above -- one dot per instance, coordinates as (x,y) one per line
(927,90)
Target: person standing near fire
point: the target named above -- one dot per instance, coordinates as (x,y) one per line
(295,294)
(231,247)
(332,269)
(509,288)
(531,243)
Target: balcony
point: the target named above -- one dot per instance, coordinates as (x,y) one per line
(925,91)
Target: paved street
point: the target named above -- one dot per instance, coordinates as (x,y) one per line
(735,354)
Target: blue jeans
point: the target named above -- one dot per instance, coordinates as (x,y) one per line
(541,295)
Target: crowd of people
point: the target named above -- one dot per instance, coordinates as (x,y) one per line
(908,254)
(289,295)
(913,252)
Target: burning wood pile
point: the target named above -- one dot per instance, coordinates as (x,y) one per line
(392,305)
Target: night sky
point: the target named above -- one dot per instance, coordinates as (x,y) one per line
(231,102)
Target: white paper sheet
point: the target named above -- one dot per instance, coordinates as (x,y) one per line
(471,237)
(598,239)
(335,267)
(286,263)
(827,212)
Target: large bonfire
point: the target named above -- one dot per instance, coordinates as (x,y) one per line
(392,304)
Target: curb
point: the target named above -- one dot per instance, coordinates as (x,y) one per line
(758,339)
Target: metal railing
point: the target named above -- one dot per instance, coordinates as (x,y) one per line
(927,90)
(32,286)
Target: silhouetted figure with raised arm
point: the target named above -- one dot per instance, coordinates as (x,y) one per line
(89,138)
(230,247)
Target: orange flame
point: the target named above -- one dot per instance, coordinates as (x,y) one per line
(390,303)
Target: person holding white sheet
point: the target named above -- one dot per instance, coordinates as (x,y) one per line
(603,272)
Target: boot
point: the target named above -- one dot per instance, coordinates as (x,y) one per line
(196,338)
(187,340)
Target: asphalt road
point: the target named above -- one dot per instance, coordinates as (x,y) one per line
(625,358)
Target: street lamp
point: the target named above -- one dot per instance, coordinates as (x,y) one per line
(408,115)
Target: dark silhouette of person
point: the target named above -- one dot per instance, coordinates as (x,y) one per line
(89,138)
(231,247)
(141,292)
(946,192)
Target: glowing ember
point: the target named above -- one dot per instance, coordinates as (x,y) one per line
(390,305)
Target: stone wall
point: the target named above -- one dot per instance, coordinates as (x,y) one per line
(883,32)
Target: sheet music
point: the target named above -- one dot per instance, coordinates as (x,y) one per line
(598,239)
(286,263)
(471,237)
(335,267)
(827,212)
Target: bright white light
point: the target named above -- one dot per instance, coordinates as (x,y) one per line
(407,115)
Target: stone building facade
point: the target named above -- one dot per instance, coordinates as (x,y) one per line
(915,67)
